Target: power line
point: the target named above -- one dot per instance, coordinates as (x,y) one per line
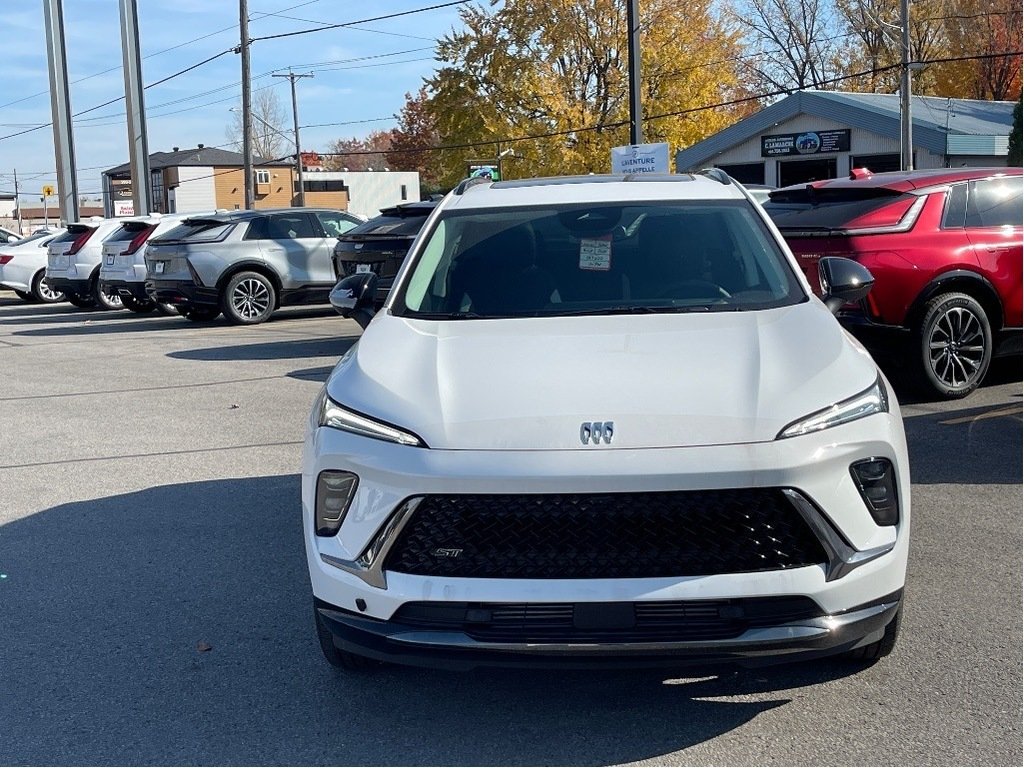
(362,21)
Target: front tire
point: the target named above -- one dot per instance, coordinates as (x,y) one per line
(201,314)
(135,305)
(82,302)
(248,298)
(954,345)
(42,292)
(881,648)
(336,657)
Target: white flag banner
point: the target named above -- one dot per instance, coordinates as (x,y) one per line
(640,158)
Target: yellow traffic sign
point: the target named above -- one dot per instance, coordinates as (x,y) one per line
(47,190)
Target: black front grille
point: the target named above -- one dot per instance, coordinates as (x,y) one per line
(610,535)
(650,621)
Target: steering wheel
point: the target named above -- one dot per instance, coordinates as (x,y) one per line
(693,289)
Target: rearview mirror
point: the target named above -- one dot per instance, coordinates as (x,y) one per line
(843,281)
(354,296)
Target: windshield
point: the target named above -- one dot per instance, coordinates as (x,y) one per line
(607,259)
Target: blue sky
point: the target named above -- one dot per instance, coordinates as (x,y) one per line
(193,108)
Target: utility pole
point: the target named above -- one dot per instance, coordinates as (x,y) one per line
(292,77)
(906,123)
(17,200)
(243,26)
(135,107)
(636,115)
(60,109)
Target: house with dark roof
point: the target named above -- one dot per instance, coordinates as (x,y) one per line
(206,178)
(812,135)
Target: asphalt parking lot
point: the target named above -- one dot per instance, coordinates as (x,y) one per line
(155,607)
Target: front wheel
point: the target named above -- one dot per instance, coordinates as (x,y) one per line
(954,345)
(248,299)
(138,306)
(106,300)
(42,291)
(201,314)
(82,302)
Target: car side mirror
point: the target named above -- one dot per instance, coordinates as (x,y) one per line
(843,281)
(12,239)
(354,297)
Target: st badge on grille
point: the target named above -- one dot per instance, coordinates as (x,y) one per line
(597,431)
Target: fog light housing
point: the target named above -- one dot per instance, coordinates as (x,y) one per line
(334,493)
(876,481)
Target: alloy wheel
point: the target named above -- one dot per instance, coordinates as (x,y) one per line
(956,347)
(250,299)
(48,293)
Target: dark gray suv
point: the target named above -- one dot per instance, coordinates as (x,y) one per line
(246,263)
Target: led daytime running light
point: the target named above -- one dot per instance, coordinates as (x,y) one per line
(333,415)
(871,401)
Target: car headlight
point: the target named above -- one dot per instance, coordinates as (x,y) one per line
(330,414)
(872,400)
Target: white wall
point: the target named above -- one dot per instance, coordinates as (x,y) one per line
(195,191)
(369,191)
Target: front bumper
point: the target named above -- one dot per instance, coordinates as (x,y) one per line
(181,292)
(807,638)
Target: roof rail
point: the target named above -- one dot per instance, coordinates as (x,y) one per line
(471,182)
(718,175)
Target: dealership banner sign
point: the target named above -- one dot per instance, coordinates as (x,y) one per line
(640,158)
(807,143)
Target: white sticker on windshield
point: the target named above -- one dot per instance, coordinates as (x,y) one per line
(596,253)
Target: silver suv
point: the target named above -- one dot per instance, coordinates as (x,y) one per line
(246,263)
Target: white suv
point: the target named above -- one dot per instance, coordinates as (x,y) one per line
(73,263)
(604,420)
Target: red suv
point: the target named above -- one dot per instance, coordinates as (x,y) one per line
(944,247)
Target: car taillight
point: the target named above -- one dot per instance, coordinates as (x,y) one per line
(139,239)
(80,241)
(4,259)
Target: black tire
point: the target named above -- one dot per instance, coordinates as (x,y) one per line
(201,314)
(880,648)
(954,345)
(42,292)
(248,298)
(25,296)
(336,657)
(104,300)
(82,302)
(138,306)
(166,308)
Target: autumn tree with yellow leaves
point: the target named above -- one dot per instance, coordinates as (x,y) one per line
(556,70)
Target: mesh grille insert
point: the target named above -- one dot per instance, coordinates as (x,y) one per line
(612,535)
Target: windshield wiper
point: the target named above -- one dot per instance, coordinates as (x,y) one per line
(452,316)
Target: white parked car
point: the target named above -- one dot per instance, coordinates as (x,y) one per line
(9,236)
(73,264)
(23,268)
(604,419)
(123,271)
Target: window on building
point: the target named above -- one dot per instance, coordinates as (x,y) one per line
(405,194)
(157,187)
(744,173)
(317,185)
(262,177)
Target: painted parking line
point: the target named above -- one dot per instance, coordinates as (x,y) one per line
(1012,410)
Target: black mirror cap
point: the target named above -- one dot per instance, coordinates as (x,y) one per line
(843,281)
(354,297)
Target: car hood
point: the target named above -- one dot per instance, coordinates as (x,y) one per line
(664,380)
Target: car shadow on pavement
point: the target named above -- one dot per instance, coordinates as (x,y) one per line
(173,625)
(95,324)
(978,445)
(329,346)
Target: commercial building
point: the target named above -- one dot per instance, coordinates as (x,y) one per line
(206,178)
(813,135)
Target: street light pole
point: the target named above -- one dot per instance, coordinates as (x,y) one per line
(292,77)
(636,114)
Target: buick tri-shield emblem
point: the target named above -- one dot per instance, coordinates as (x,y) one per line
(594,432)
